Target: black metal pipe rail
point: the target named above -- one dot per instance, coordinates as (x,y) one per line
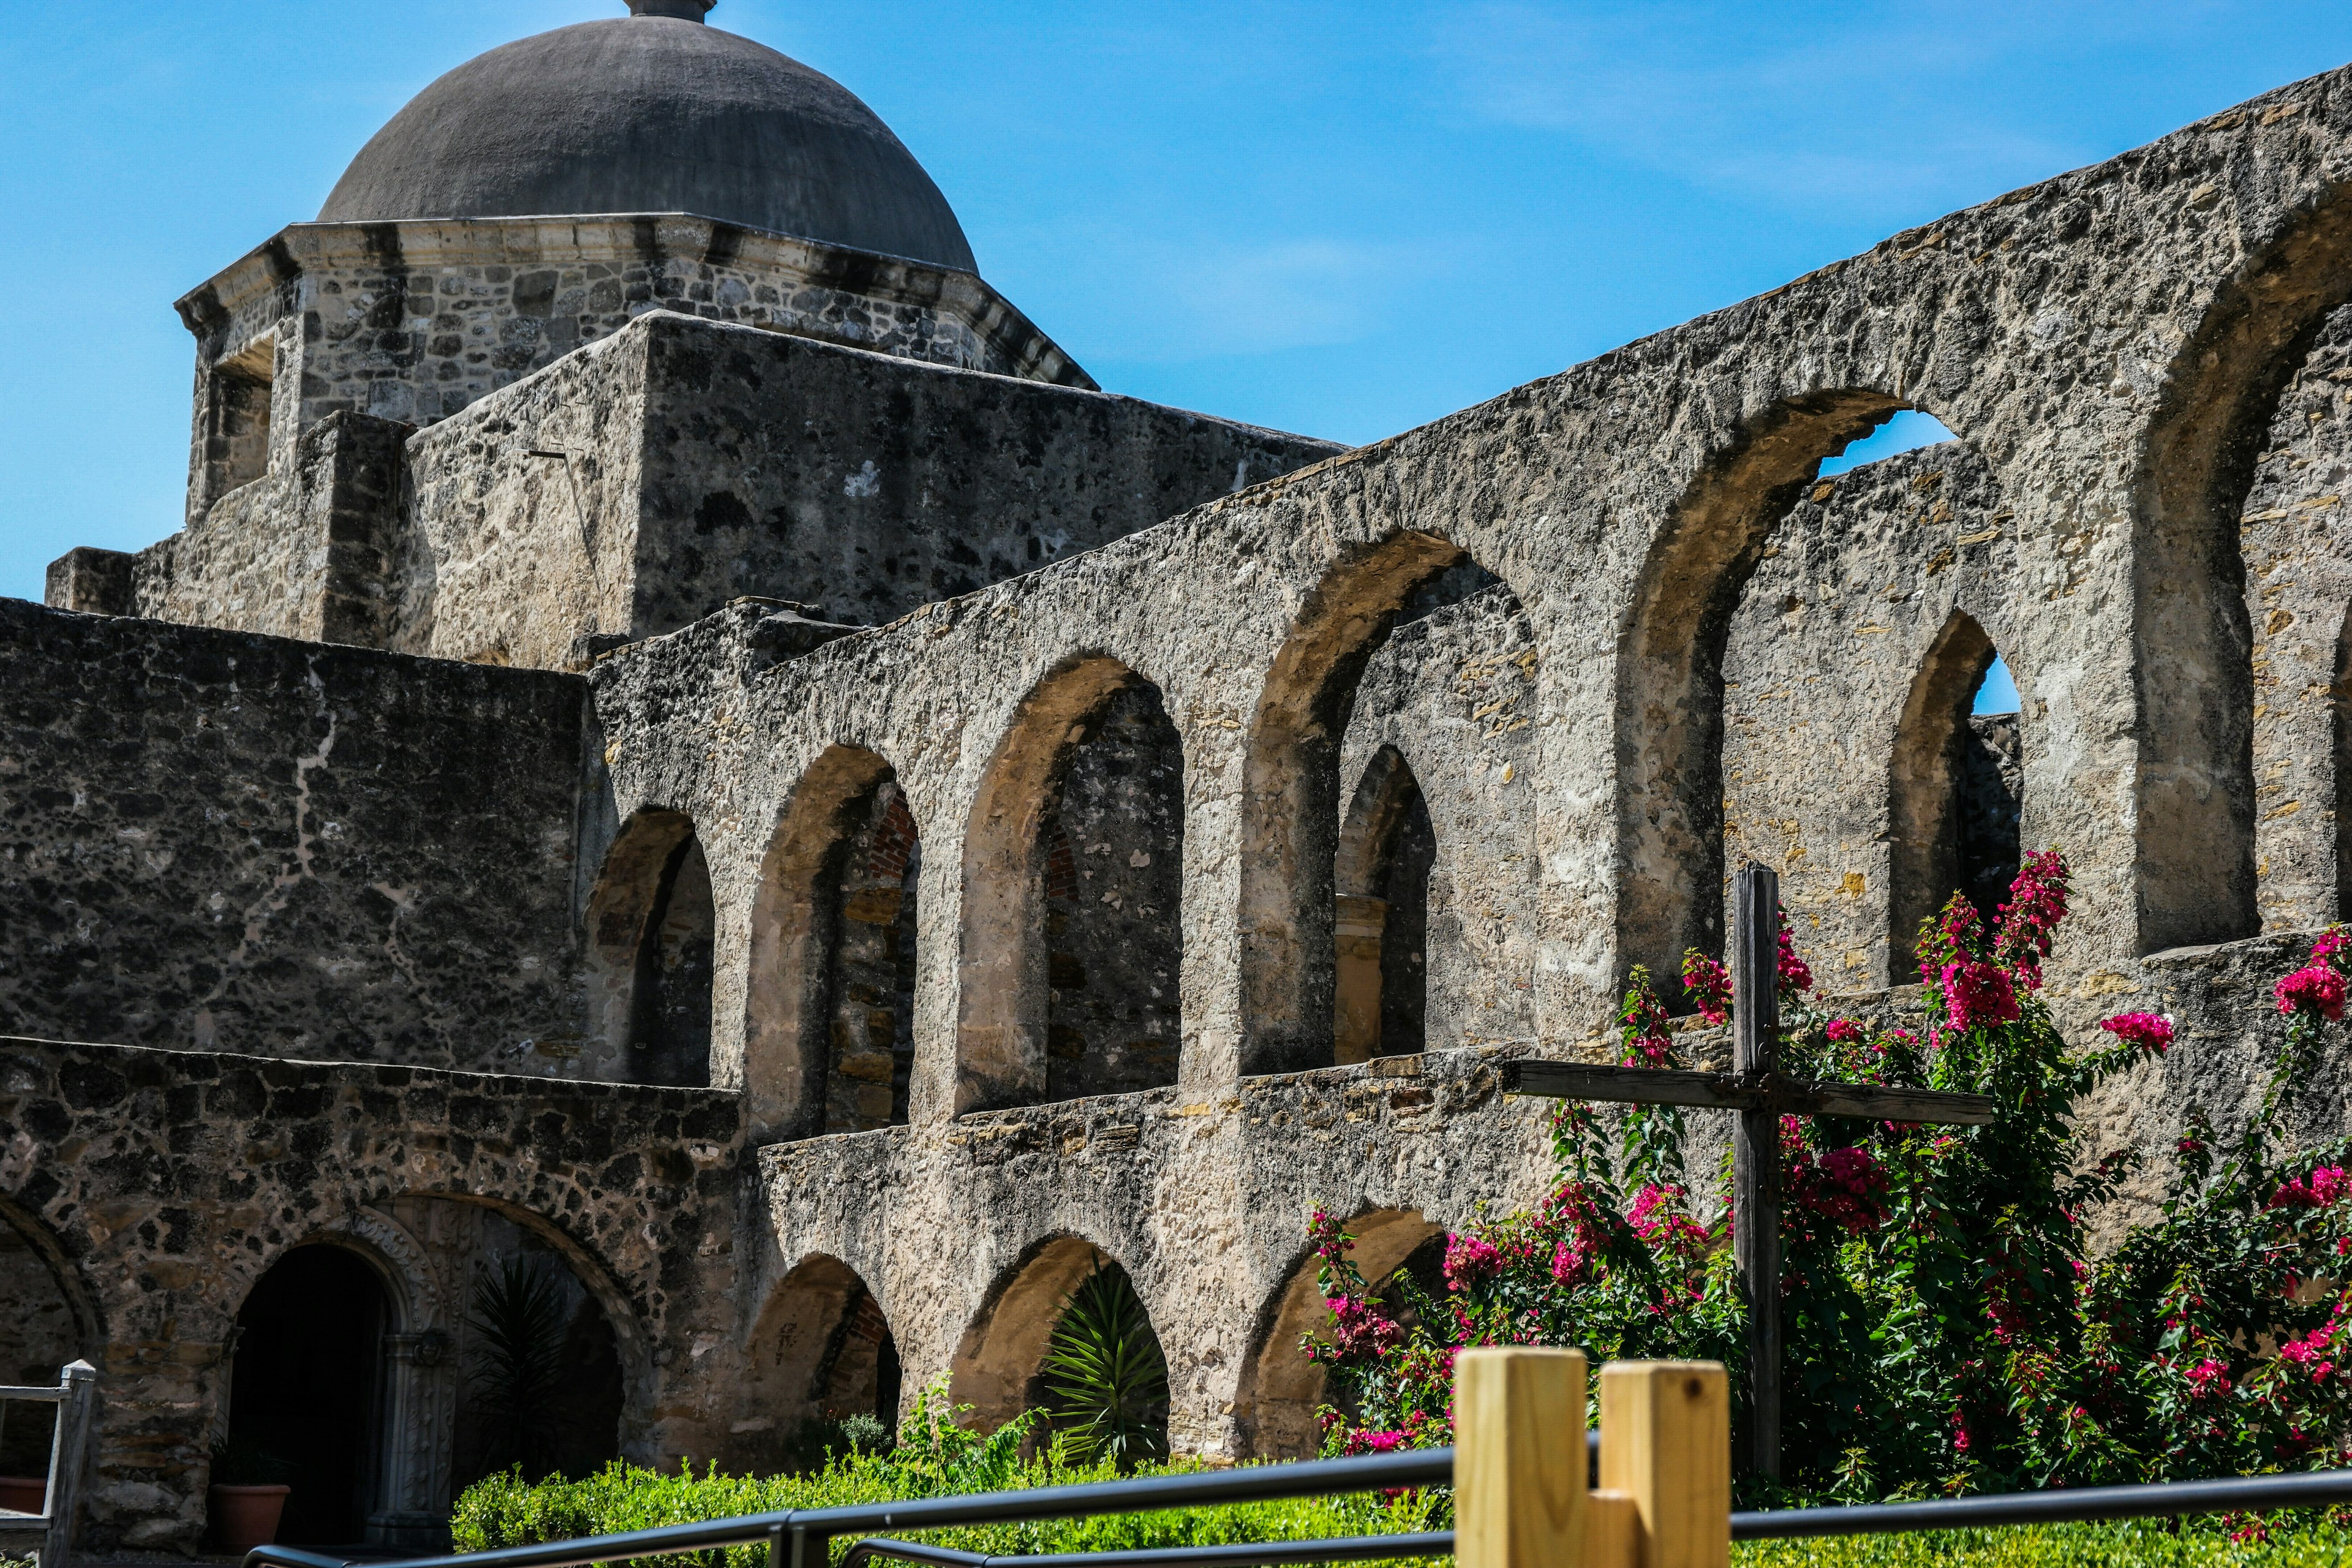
(798,1538)
(1237,1555)
(2239,1494)
(801,1538)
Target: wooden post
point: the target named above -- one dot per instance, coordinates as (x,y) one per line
(68,1451)
(1756,1150)
(1665,1442)
(1518,1458)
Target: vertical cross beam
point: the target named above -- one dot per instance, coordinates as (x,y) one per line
(1756,1150)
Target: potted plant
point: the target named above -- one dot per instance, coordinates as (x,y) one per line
(248,1493)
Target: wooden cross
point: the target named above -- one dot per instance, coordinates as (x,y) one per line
(1755,1088)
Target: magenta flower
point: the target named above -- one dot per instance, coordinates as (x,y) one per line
(1708,983)
(1469,1258)
(2315,988)
(1977,993)
(1844,1031)
(2148,1031)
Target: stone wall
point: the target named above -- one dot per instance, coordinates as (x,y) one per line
(411,322)
(169,1181)
(242,843)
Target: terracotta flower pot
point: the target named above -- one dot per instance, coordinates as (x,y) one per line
(247,1516)
(24,1494)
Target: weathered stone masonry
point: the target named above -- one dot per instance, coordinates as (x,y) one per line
(1606,633)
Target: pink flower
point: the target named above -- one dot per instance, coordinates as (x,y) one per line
(1708,984)
(1469,1258)
(1792,973)
(2148,1031)
(2316,1191)
(1375,1442)
(2331,940)
(1844,1031)
(2315,988)
(2037,903)
(2209,1377)
(1360,1331)
(1977,993)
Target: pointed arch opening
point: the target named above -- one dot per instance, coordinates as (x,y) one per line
(822,1355)
(1072,939)
(1293,922)
(1280,1388)
(829,1010)
(1670,695)
(999,1365)
(2196,811)
(1956,791)
(1388,847)
(652,924)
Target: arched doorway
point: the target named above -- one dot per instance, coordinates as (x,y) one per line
(1072,940)
(1292,809)
(1280,1388)
(1388,847)
(307,1390)
(822,1356)
(1000,1367)
(652,924)
(1958,789)
(42,1328)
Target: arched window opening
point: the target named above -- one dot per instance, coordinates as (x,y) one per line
(1073,878)
(652,923)
(1670,708)
(1280,1388)
(306,1390)
(1114,853)
(871,974)
(1054,1298)
(1958,786)
(824,1372)
(1990,790)
(1293,921)
(1388,847)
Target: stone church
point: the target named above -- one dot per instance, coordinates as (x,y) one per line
(686,745)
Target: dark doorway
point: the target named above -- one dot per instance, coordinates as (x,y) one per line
(1989,775)
(306,1390)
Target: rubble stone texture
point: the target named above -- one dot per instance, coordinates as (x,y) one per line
(946,828)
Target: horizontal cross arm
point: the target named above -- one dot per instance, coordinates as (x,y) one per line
(1723,1091)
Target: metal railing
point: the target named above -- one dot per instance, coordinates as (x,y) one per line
(77,1386)
(802,1538)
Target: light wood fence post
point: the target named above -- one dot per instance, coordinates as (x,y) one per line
(1518,1458)
(1665,1442)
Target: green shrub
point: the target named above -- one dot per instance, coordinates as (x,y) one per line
(1108,1376)
(934,1458)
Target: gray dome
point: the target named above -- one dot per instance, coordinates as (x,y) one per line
(651,114)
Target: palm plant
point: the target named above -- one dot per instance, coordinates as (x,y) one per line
(1105,1375)
(519,1318)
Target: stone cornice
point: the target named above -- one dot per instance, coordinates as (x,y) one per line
(627,238)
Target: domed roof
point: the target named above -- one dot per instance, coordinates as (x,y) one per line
(652,113)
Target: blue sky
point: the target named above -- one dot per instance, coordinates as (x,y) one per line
(1338,218)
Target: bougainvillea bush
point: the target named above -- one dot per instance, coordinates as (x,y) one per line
(1945,1328)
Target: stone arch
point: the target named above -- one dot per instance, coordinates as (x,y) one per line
(651,925)
(41,1266)
(1006,980)
(822,1347)
(1387,849)
(848,799)
(2192,634)
(1280,1389)
(1925,785)
(1668,718)
(998,1358)
(1291,806)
